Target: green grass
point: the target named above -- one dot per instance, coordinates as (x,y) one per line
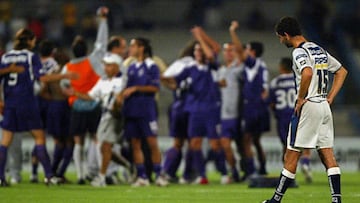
(317,192)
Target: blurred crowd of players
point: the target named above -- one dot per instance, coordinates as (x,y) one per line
(110,95)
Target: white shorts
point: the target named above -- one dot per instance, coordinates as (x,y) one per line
(313,128)
(106,129)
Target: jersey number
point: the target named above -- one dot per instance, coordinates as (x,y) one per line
(323,81)
(13,78)
(285,98)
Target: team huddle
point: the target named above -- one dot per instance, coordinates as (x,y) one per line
(110,95)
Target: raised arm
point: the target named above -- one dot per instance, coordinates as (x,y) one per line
(198,35)
(236,41)
(339,78)
(214,45)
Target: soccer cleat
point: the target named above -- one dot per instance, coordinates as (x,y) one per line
(34,178)
(141,182)
(98,182)
(161,181)
(266,201)
(236,177)
(52,181)
(183,181)
(307,173)
(112,179)
(225,180)
(200,181)
(14,181)
(81,181)
(3,183)
(63,180)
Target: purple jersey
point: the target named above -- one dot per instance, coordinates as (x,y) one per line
(142,104)
(283,95)
(203,93)
(19,87)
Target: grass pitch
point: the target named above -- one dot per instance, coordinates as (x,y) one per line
(317,192)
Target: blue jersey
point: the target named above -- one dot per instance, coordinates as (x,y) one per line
(19,87)
(283,96)
(203,92)
(142,74)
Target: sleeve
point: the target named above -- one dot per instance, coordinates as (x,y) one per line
(37,66)
(95,92)
(272,96)
(334,65)
(301,59)
(154,76)
(183,75)
(174,69)
(250,61)
(100,48)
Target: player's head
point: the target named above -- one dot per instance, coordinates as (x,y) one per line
(140,47)
(255,49)
(189,49)
(117,45)
(46,48)
(79,47)
(287,28)
(112,63)
(228,52)
(24,39)
(199,54)
(285,65)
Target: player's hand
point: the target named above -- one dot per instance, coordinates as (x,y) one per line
(299,103)
(102,11)
(222,83)
(71,76)
(68,91)
(129,91)
(13,68)
(233,26)
(330,100)
(197,32)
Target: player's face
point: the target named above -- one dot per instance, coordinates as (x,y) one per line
(284,39)
(228,53)
(122,49)
(111,69)
(198,53)
(32,43)
(134,48)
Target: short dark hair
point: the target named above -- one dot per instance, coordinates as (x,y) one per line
(288,25)
(258,47)
(46,48)
(140,41)
(22,38)
(79,47)
(115,41)
(286,62)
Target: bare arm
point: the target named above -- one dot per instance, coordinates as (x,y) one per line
(168,82)
(306,76)
(58,77)
(143,89)
(209,53)
(13,68)
(236,41)
(215,46)
(338,82)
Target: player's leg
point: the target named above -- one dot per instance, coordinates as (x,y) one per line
(34,167)
(305,165)
(94,152)
(138,157)
(249,155)
(15,158)
(260,153)
(198,161)
(173,157)
(58,153)
(66,158)
(220,160)
(328,159)
(230,158)
(5,143)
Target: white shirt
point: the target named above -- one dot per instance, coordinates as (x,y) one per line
(321,62)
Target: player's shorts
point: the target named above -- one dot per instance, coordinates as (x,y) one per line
(255,120)
(179,119)
(313,128)
(58,119)
(205,124)
(106,131)
(283,130)
(83,122)
(140,127)
(21,118)
(230,128)
(43,107)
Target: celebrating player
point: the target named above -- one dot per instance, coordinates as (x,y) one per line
(312,124)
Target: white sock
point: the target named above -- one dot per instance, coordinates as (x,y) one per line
(78,160)
(98,155)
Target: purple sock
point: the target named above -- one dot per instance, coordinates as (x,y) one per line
(141,171)
(34,166)
(305,161)
(67,157)
(58,155)
(44,159)
(220,162)
(188,165)
(157,169)
(171,158)
(250,166)
(199,162)
(3,155)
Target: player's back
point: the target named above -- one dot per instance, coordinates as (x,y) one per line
(19,87)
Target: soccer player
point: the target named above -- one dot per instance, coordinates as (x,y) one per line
(231,73)
(21,111)
(178,117)
(312,124)
(139,109)
(255,119)
(282,101)
(105,91)
(85,115)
